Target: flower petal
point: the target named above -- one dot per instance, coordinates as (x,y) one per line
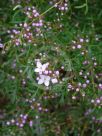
(42,77)
(44,67)
(39,65)
(46,83)
(47,78)
(37,70)
(54,80)
(40,81)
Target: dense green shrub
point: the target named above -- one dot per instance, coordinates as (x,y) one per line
(51,68)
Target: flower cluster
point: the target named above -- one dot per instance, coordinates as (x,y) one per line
(79,86)
(62,6)
(34,16)
(27,30)
(35,21)
(97,101)
(78,44)
(34,105)
(21,120)
(14,35)
(45,75)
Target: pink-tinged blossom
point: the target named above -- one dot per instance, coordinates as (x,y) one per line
(44,80)
(54,80)
(41,67)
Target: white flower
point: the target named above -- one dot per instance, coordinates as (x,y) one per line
(57,73)
(81,40)
(78,46)
(44,80)
(54,80)
(41,67)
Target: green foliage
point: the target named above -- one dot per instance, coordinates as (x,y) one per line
(68,110)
